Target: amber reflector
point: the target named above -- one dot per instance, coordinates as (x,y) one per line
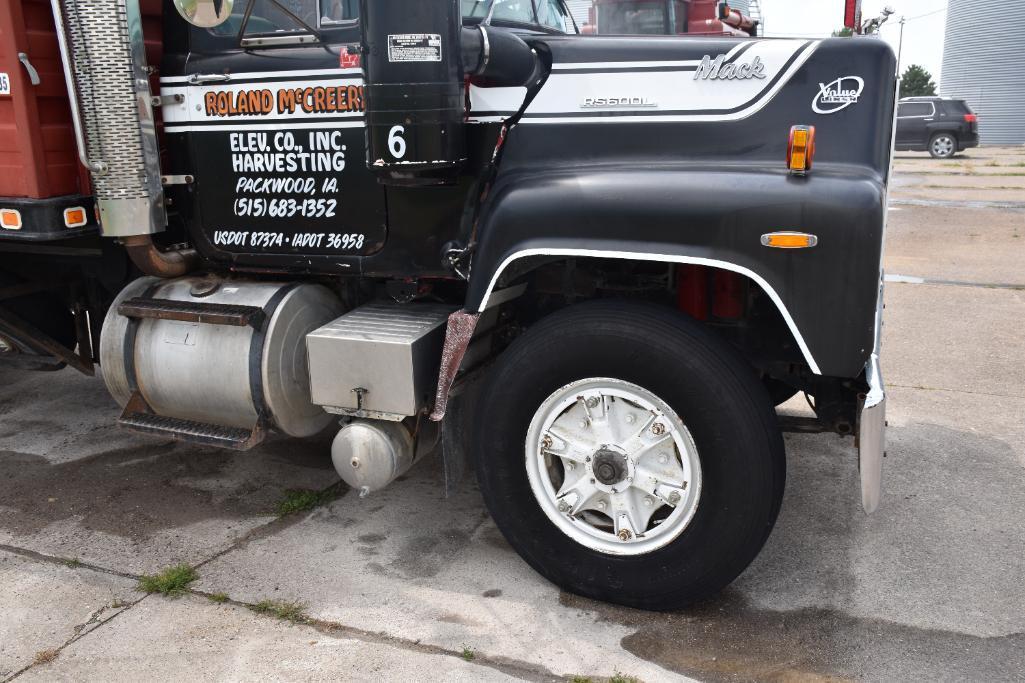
(801,149)
(789,240)
(75,217)
(10,219)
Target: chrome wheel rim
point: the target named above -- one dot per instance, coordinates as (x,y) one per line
(613,466)
(943,146)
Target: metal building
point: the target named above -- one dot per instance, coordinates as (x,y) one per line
(580,9)
(982,63)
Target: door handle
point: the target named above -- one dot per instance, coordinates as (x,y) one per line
(196,79)
(33,75)
(929,120)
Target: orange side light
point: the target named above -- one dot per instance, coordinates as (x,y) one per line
(789,240)
(75,217)
(10,219)
(801,149)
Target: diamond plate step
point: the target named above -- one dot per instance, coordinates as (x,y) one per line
(137,419)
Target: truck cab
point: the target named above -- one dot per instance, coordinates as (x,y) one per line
(587,267)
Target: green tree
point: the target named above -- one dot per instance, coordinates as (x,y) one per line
(843,32)
(916,82)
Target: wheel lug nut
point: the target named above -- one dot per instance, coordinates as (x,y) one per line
(658,429)
(624,535)
(631,418)
(674,497)
(587,459)
(592,402)
(647,501)
(601,505)
(563,506)
(583,424)
(663,459)
(546,442)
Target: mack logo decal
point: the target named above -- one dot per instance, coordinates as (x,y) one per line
(715,69)
(837,95)
(613,102)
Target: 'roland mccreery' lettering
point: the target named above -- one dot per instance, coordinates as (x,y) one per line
(310,100)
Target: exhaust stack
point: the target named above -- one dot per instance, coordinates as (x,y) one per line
(105,69)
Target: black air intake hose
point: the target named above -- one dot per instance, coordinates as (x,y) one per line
(497,58)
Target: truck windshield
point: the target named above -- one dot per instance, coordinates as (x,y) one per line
(631,18)
(300,16)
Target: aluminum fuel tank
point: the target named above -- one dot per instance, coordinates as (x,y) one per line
(215,373)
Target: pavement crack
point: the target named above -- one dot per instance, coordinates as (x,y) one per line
(915,280)
(78,632)
(526,671)
(272,527)
(952,391)
(70,563)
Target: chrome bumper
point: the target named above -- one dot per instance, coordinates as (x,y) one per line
(872,437)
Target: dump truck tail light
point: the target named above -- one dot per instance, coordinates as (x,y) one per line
(801,149)
(10,219)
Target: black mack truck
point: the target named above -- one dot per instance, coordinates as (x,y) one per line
(587,267)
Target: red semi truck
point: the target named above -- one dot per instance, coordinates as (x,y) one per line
(669,17)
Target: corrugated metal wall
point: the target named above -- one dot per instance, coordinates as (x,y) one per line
(984,63)
(579,8)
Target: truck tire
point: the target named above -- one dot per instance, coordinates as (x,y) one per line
(629,455)
(943,146)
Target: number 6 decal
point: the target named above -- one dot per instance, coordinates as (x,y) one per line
(396,144)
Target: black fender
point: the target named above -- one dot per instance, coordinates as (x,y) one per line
(711,215)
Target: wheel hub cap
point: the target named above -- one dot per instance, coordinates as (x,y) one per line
(610,467)
(613,466)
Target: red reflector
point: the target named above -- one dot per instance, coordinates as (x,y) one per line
(970,118)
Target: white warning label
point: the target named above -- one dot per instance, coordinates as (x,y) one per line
(414,47)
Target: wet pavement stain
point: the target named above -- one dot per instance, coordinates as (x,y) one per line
(425,556)
(726,639)
(138,491)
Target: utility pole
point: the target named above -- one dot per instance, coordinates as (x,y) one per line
(900,44)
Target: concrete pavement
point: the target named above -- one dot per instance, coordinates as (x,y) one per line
(406,584)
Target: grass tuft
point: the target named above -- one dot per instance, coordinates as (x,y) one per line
(74,563)
(172,582)
(622,678)
(580,679)
(46,656)
(294,611)
(301,500)
(468,654)
(218,597)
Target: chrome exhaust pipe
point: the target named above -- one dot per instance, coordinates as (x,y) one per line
(104,57)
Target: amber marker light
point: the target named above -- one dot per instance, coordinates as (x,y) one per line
(789,240)
(801,149)
(10,219)
(75,217)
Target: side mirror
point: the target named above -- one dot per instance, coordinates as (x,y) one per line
(205,13)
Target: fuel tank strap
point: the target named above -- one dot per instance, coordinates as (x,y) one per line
(256,348)
(130,336)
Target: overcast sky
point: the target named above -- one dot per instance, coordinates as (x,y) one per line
(923,29)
